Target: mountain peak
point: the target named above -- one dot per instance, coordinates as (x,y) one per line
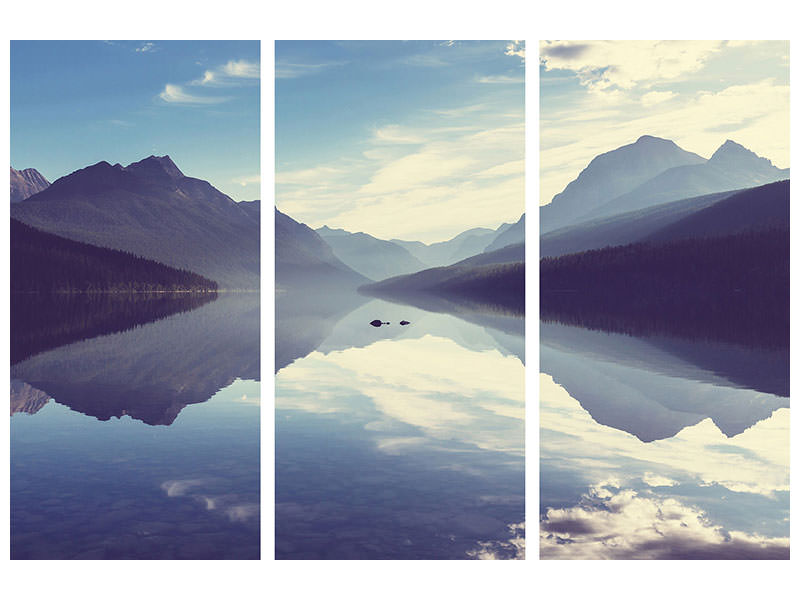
(157,163)
(730,151)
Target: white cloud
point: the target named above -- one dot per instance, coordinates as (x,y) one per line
(651,98)
(246,180)
(500,79)
(174,94)
(231,73)
(516,48)
(625,524)
(447,171)
(513,548)
(146,47)
(291,70)
(604,65)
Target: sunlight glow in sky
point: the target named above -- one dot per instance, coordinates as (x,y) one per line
(410,140)
(597,96)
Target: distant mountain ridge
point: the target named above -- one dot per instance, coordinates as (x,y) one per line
(303,258)
(26,183)
(374,258)
(150,208)
(650,172)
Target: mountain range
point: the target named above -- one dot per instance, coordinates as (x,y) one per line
(26,183)
(303,258)
(151,209)
(650,172)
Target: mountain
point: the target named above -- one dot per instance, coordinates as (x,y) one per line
(622,229)
(26,183)
(507,235)
(714,214)
(612,174)
(756,209)
(43,262)
(507,254)
(465,244)
(373,258)
(731,167)
(302,257)
(151,209)
(502,284)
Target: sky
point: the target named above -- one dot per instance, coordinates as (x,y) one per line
(74,104)
(596,96)
(408,140)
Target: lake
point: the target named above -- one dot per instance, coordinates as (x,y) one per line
(398,441)
(664,447)
(141,442)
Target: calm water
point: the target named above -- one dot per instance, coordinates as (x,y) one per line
(658,447)
(400,441)
(141,444)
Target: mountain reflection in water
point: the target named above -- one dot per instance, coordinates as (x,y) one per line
(661,445)
(93,486)
(398,441)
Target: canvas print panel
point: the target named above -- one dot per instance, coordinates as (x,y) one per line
(664,315)
(134,300)
(399,335)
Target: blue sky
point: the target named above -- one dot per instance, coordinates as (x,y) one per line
(413,140)
(598,95)
(76,103)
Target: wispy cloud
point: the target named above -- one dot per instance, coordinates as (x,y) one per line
(501,79)
(174,94)
(146,47)
(463,160)
(234,72)
(246,180)
(291,70)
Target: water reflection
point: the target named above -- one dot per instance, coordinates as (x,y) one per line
(100,485)
(661,447)
(401,441)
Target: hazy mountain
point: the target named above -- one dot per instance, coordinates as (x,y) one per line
(151,209)
(510,234)
(612,174)
(720,213)
(761,208)
(622,229)
(26,183)
(373,258)
(302,257)
(465,244)
(507,254)
(502,284)
(731,167)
